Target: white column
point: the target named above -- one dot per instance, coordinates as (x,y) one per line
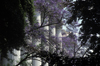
(6,62)
(27,62)
(47,64)
(52,36)
(46,44)
(59,38)
(16,57)
(36,61)
(46,35)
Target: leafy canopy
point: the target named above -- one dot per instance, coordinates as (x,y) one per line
(12,23)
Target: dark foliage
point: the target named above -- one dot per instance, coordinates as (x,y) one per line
(59,60)
(89,12)
(12,22)
(54,58)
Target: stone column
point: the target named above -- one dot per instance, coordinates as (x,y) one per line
(13,58)
(52,36)
(47,64)
(59,38)
(16,56)
(45,41)
(6,62)
(36,61)
(27,62)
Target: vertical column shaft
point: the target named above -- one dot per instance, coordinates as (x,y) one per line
(45,41)
(13,58)
(59,38)
(5,61)
(36,61)
(52,35)
(27,62)
(16,57)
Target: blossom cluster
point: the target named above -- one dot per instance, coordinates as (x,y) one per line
(52,11)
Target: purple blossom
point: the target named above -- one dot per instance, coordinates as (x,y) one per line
(54,13)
